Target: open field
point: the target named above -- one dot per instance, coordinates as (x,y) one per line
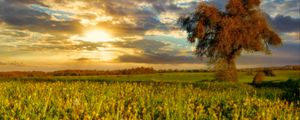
(154,96)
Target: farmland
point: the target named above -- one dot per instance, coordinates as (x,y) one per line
(150,96)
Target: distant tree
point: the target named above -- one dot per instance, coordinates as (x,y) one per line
(221,36)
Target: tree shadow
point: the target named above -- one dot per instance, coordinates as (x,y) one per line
(291,88)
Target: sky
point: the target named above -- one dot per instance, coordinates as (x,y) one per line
(52,35)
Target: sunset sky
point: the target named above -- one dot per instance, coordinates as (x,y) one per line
(115,34)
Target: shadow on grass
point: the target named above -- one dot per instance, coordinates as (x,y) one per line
(290,87)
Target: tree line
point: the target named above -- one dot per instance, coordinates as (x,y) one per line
(132,71)
(138,70)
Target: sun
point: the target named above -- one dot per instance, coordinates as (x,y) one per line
(97,36)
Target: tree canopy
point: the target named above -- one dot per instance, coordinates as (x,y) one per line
(223,35)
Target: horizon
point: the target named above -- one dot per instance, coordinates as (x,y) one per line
(50,35)
(157,69)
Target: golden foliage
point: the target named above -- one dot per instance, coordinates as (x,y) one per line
(235,7)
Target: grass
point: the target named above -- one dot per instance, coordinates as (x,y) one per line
(155,96)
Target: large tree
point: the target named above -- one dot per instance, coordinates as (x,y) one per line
(221,36)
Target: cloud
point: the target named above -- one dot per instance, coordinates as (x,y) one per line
(158,58)
(38,2)
(292,36)
(61,46)
(282,7)
(84,59)
(2,63)
(146,45)
(285,23)
(288,54)
(137,17)
(15,63)
(14,33)
(20,15)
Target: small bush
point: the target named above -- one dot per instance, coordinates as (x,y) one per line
(259,77)
(269,72)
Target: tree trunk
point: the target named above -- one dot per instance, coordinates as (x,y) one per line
(226,71)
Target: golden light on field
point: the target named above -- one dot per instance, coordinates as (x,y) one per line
(97,36)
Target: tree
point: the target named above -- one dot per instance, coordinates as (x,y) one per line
(221,36)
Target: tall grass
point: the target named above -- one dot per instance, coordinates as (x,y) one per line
(144,100)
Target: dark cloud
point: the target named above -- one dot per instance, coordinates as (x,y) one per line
(285,23)
(146,45)
(142,22)
(89,46)
(84,59)
(123,29)
(124,8)
(153,52)
(144,17)
(62,45)
(19,15)
(38,2)
(288,54)
(158,58)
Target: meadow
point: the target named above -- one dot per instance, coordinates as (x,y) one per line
(151,96)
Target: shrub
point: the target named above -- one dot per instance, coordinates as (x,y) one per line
(269,72)
(259,77)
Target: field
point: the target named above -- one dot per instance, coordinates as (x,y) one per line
(153,96)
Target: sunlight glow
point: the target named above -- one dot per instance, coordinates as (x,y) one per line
(106,56)
(97,36)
